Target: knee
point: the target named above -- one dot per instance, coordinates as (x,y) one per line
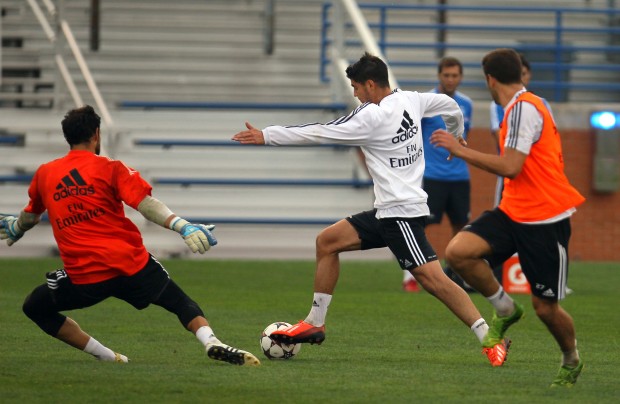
(456,254)
(432,278)
(324,245)
(188,312)
(29,308)
(37,305)
(176,301)
(544,309)
(42,314)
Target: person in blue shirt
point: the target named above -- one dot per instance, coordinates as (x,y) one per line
(445,181)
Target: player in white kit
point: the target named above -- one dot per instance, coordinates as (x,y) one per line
(387,129)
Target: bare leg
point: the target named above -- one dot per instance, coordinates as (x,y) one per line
(342,236)
(463,255)
(196,323)
(41,308)
(558,321)
(333,240)
(71,333)
(435,282)
(456,228)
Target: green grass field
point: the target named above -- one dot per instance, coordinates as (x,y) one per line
(382,345)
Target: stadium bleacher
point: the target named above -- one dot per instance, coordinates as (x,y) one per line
(181,78)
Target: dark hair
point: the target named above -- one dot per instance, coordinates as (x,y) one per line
(369,67)
(449,61)
(80,124)
(504,65)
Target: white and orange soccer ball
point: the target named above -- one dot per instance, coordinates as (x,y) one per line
(277,350)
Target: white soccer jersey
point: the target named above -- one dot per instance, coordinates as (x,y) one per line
(389,135)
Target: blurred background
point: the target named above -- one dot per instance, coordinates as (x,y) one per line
(173,81)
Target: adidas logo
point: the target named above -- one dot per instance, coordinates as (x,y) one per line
(53,278)
(548,293)
(72,185)
(315,304)
(481,324)
(407,129)
(407,263)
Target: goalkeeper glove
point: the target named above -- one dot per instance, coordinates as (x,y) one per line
(10,230)
(198,237)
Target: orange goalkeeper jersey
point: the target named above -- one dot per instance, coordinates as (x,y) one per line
(541,190)
(83,194)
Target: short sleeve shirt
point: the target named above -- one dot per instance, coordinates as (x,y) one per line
(84,195)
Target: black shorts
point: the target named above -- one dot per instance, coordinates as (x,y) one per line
(452,197)
(139,290)
(404,236)
(542,248)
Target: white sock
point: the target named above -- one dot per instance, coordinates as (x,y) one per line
(571,358)
(480,328)
(502,302)
(317,314)
(407,276)
(206,336)
(99,351)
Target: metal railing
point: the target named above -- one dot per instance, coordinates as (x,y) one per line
(557,41)
(64,28)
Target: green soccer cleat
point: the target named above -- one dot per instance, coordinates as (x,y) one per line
(567,376)
(499,325)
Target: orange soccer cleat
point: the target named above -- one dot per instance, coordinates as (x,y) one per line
(300,333)
(498,353)
(411,286)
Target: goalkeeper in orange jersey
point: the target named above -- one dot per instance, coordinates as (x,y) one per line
(101,249)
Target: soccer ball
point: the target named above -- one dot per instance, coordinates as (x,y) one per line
(277,350)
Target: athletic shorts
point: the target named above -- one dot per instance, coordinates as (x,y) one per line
(542,248)
(403,236)
(451,197)
(139,290)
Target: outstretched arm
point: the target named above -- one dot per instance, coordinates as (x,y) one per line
(13,228)
(353,130)
(250,136)
(198,237)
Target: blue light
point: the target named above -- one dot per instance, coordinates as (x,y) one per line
(604,120)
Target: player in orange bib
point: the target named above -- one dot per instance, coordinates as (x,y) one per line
(101,249)
(533,218)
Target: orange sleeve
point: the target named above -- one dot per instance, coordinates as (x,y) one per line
(132,188)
